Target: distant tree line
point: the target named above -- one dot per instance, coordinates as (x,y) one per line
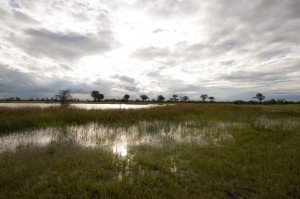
(260,97)
(64,97)
(97,96)
(271,101)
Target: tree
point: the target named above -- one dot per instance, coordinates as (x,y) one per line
(97,96)
(185,98)
(160,98)
(211,98)
(260,97)
(126,97)
(64,97)
(281,101)
(144,97)
(174,97)
(204,97)
(100,97)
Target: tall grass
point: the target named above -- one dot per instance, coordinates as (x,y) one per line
(15,119)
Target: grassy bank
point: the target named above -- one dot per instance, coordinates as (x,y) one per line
(16,119)
(260,160)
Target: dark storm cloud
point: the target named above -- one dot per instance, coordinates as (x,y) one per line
(271,79)
(63,46)
(27,85)
(16,83)
(31,85)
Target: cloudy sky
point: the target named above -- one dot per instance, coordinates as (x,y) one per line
(229,49)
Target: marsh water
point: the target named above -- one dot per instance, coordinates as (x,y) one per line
(82,106)
(119,140)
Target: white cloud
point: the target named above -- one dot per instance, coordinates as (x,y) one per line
(227,48)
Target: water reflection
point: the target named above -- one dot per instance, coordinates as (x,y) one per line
(82,106)
(11,141)
(114,106)
(120,146)
(119,139)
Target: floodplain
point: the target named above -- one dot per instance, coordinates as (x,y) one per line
(204,150)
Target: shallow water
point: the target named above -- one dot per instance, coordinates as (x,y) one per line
(82,106)
(119,140)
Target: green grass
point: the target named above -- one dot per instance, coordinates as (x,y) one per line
(262,160)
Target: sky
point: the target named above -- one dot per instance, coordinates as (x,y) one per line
(229,49)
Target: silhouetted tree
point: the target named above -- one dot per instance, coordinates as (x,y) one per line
(211,98)
(64,97)
(126,97)
(160,98)
(260,97)
(100,97)
(144,97)
(281,101)
(97,96)
(175,98)
(185,98)
(204,97)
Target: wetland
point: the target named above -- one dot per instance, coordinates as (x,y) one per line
(179,151)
